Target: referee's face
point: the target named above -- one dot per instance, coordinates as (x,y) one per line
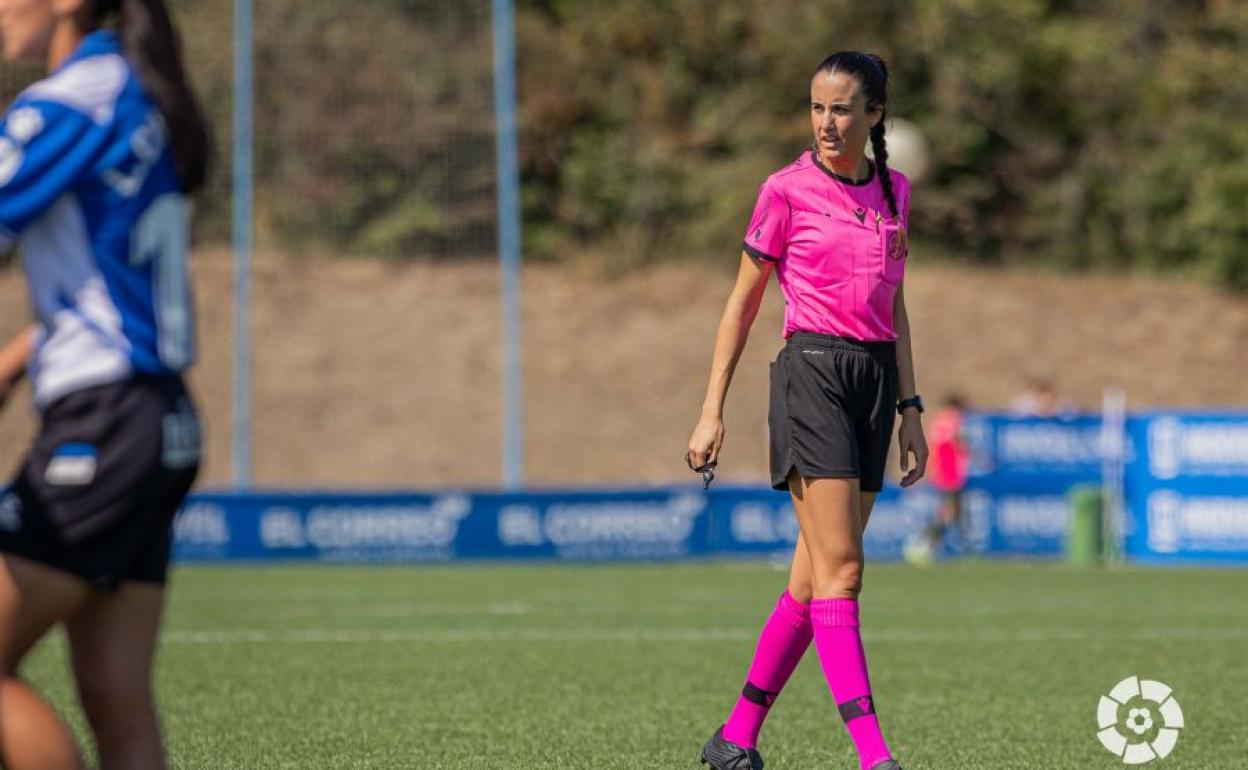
(839,116)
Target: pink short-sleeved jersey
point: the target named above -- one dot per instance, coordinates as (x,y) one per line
(840,254)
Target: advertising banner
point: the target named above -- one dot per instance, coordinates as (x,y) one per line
(1185,494)
(1187,488)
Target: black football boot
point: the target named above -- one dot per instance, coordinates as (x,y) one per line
(722,754)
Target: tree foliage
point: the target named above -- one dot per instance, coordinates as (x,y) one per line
(1107,134)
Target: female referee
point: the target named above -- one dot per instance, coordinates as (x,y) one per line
(96,163)
(833,226)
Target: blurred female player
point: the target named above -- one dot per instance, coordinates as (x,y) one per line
(833,226)
(96,163)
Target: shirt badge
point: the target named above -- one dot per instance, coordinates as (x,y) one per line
(898,244)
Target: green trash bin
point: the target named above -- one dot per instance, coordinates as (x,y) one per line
(1084,546)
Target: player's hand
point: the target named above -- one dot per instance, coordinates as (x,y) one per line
(704,444)
(911,441)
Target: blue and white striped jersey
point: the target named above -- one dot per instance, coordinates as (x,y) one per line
(88,188)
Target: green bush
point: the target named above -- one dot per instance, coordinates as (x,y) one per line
(1087,134)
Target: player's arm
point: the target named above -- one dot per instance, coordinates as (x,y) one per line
(13,358)
(734,329)
(910,438)
(45,148)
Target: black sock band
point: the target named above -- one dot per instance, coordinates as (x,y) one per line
(757,696)
(858,707)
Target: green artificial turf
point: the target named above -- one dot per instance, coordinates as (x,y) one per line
(974,665)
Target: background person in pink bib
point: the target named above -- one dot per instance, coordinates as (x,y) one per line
(948,471)
(832,224)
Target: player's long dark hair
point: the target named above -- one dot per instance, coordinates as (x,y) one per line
(154,50)
(872,74)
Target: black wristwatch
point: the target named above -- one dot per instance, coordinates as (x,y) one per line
(906,403)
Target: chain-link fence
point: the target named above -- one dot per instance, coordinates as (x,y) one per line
(373,137)
(373,124)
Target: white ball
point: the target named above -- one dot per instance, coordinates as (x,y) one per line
(907,148)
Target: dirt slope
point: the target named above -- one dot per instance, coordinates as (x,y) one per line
(377,374)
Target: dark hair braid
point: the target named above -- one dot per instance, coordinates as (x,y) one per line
(872,74)
(154,50)
(879,149)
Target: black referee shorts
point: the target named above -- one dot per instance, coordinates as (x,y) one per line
(109,469)
(833,403)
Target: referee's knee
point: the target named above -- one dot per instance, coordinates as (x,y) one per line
(840,579)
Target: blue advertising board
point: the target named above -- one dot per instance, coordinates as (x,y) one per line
(674,523)
(403,527)
(1015,505)
(1050,447)
(1022,472)
(752,521)
(1184,487)
(1187,488)
(579,525)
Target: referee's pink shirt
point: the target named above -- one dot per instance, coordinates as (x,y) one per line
(839,252)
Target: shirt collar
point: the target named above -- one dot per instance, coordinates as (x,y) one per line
(814,156)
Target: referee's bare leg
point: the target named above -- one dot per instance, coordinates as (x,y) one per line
(801,577)
(829,515)
(33,598)
(112,643)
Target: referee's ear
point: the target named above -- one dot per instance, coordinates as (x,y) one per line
(876,113)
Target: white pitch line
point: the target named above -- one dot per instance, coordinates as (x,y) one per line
(693,635)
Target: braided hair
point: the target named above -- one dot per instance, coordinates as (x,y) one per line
(872,75)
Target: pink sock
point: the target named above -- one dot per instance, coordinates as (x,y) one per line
(784,640)
(845,667)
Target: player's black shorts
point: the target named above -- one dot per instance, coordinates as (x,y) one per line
(97,493)
(833,402)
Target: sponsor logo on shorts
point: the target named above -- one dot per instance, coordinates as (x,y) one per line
(73,465)
(183,440)
(10,512)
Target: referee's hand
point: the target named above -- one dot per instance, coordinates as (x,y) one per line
(911,442)
(704,444)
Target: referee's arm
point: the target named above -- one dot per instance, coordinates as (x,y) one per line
(910,436)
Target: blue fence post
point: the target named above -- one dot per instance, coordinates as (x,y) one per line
(243,96)
(507,163)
